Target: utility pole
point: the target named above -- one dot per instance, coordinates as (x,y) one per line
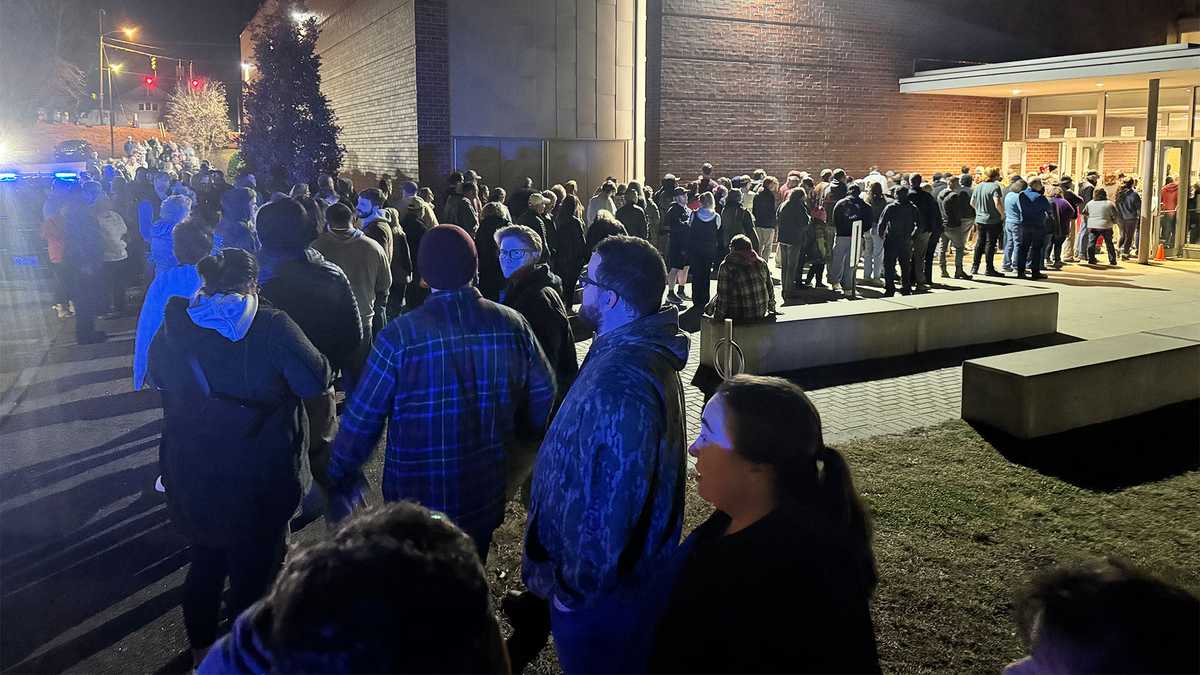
(112,134)
(100,69)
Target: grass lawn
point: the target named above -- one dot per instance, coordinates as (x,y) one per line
(959,527)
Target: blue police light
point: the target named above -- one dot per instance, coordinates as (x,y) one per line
(8,176)
(66,175)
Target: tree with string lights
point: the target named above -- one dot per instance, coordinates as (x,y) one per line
(290,133)
(199,114)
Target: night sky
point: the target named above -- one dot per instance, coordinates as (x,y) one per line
(205,31)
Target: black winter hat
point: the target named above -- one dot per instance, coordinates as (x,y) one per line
(284,225)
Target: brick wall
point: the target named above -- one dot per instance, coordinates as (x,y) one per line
(1037,154)
(364,45)
(435,153)
(806,84)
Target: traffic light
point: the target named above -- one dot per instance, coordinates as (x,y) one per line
(154,63)
(148,81)
(195,83)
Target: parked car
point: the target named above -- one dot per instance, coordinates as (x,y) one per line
(76,150)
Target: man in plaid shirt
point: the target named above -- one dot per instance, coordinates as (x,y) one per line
(456,379)
(744,289)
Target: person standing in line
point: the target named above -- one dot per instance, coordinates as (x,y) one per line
(1071,249)
(846,212)
(1100,215)
(1064,217)
(677,220)
(53,232)
(461,209)
(454,380)
(703,248)
(898,224)
(632,216)
(1012,222)
(518,201)
(83,252)
(1129,210)
(570,250)
(790,537)
(235,229)
(536,292)
(988,203)
(491,276)
(607,504)
(373,220)
(653,217)
(602,201)
(316,294)
(795,233)
(872,241)
(736,219)
(417,220)
(1035,211)
(191,241)
(534,217)
(765,212)
(115,253)
(954,226)
(664,198)
(930,221)
(233,375)
(363,262)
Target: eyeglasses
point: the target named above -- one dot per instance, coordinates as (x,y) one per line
(585,281)
(514,254)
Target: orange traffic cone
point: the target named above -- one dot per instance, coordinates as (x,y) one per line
(1161,253)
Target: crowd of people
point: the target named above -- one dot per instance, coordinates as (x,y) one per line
(450,320)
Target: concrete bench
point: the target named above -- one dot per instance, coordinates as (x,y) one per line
(804,336)
(981,316)
(1045,391)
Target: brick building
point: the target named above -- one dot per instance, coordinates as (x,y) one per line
(634,88)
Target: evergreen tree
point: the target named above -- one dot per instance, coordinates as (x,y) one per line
(291,135)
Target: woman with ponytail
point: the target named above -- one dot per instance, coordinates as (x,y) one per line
(780,578)
(233,374)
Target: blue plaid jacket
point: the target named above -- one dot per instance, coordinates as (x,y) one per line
(456,378)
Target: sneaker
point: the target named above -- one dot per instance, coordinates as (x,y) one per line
(682,294)
(836,288)
(158,485)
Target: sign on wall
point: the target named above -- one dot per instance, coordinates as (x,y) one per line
(1070,132)
(1043,133)
(1128,132)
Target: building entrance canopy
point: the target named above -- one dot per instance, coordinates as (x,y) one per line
(1173,65)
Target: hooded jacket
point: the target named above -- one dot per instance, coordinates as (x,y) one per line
(795,224)
(317,296)
(1169,197)
(1129,205)
(735,220)
(235,234)
(536,293)
(633,217)
(764,209)
(846,211)
(607,503)
(233,444)
(705,237)
(491,277)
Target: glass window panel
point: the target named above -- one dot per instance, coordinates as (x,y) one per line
(1051,116)
(1174,108)
(1125,113)
(1016,119)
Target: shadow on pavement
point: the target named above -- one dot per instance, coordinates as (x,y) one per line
(99,407)
(1114,455)
(66,383)
(73,568)
(71,352)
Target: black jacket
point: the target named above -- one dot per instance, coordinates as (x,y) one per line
(785,595)
(491,279)
(848,210)
(633,217)
(570,248)
(930,217)
(899,222)
(536,293)
(317,296)
(459,211)
(795,226)
(764,209)
(601,230)
(735,220)
(677,221)
(537,223)
(518,202)
(234,459)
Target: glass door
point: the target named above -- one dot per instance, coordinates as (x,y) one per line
(1087,158)
(1168,227)
(1012,159)
(1191,215)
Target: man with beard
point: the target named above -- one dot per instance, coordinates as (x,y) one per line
(373,219)
(607,503)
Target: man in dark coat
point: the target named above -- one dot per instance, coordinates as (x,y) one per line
(929,224)
(632,216)
(536,292)
(518,201)
(317,295)
(460,209)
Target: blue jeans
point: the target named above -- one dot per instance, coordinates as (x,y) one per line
(1012,239)
(614,635)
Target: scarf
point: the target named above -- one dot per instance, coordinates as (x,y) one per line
(230,314)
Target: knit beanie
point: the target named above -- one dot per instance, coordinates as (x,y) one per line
(447,258)
(284,225)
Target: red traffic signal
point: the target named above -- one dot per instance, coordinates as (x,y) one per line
(148,81)
(195,84)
